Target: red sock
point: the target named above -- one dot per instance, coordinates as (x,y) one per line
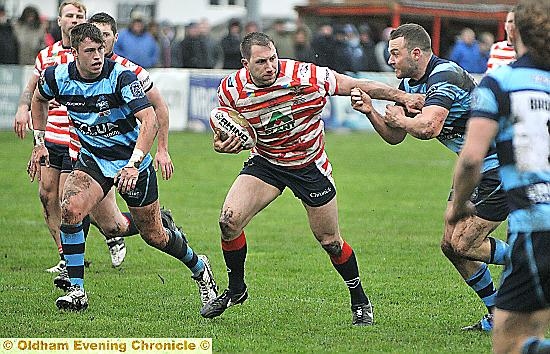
(344,256)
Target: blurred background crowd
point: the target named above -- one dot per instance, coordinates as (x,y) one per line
(350,47)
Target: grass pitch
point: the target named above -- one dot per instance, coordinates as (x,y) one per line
(391,199)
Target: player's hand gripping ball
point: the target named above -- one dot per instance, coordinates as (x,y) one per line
(229,121)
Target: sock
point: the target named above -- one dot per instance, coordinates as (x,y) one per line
(234,254)
(535,345)
(73,242)
(132,229)
(346,265)
(499,249)
(177,248)
(60,250)
(483,285)
(86,225)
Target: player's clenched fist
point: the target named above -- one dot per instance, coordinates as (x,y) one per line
(361,101)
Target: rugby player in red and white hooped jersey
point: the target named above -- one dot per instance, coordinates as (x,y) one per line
(503,53)
(283,100)
(56,136)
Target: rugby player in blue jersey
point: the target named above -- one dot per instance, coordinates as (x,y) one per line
(446,110)
(105,102)
(512,107)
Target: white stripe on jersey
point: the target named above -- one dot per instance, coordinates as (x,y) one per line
(143,77)
(57,127)
(501,54)
(285,115)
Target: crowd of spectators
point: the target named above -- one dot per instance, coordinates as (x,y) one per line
(343,47)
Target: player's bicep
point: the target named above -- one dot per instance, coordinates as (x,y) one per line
(434,117)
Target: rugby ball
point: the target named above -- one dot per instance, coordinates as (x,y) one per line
(231,122)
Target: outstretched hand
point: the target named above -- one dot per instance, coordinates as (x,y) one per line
(164,161)
(39,154)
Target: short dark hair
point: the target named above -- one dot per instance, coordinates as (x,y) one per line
(104,18)
(254,38)
(85,30)
(415,36)
(533,23)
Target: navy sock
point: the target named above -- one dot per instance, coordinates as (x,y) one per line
(73,242)
(482,283)
(177,248)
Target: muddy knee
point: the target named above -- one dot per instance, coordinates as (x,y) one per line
(71,213)
(228,226)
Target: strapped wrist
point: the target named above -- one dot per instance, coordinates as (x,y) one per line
(136,158)
(39,137)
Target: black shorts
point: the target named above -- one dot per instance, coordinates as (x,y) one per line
(145,192)
(489,197)
(525,283)
(59,157)
(307,183)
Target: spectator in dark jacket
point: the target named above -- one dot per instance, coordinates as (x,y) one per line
(231,46)
(368,61)
(323,46)
(9,49)
(193,49)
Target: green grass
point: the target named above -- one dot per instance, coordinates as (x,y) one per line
(391,199)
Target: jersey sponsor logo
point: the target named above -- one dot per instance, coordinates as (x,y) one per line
(103,106)
(137,89)
(279,123)
(107,129)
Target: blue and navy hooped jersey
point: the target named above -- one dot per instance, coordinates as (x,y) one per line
(102,111)
(518,98)
(447,85)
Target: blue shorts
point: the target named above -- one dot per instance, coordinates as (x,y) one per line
(489,198)
(525,282)
(145,192)
(307,183)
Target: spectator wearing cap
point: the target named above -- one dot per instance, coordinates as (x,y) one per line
(9,48)
(136,44)
(348,52)
(368,60)
(230,45)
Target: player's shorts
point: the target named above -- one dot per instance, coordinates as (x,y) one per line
(525,283)
(59,157)
(307,183)
(489,197)
(145,192)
